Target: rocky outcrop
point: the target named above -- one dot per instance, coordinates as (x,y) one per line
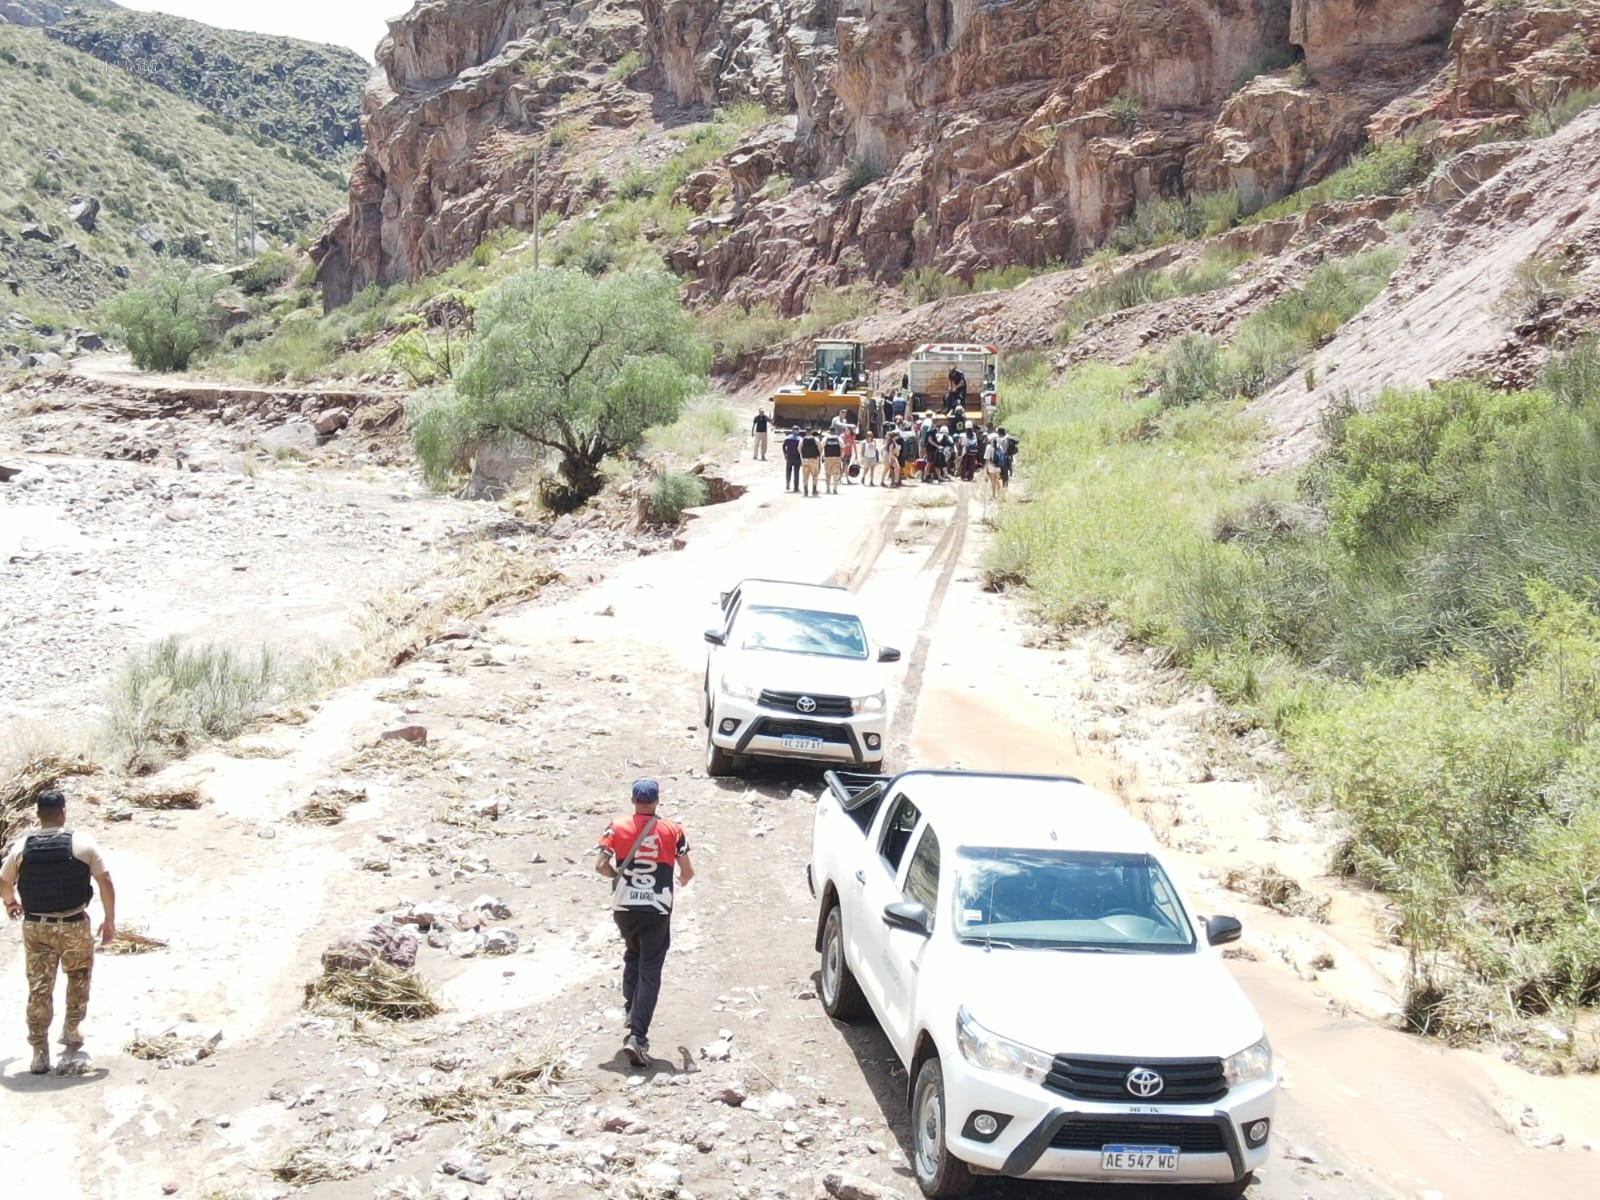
(958,135)
(1332,33)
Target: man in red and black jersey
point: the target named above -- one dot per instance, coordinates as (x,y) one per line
(639,854)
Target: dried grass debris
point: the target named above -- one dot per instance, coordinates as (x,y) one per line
(131,939)
(1271,887)
(532,1076)
(23,783)
(312,1163)
(377,990)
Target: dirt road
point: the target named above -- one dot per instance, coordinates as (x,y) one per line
(537,721)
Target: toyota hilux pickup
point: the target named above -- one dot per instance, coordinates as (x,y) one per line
(793,672)
(1062,1014)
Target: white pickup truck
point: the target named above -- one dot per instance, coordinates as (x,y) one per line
(1059,1011)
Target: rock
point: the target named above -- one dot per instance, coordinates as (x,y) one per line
(500,941)
(89,341)
(733,1096)
(465,1165)
(356,950)
(663,1176)
(492,907)
(43,360)
(34,232)
(184,510)
(720,1050)
(7,474)
(151,237)
(844,1186)
(331,422)
(433,914)
(293,437)
(84,212)
(466,945)
(1301,1154)
(417,735)
(622,1121)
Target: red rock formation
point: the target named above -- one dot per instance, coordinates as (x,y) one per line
(985,134)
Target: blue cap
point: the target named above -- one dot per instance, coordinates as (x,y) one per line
(646,791)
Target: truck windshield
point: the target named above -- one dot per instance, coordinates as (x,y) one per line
(1068,900)
(802,631)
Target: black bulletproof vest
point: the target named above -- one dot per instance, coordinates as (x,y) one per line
(52,881)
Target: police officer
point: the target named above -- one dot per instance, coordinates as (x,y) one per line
(639,854)
(52,870)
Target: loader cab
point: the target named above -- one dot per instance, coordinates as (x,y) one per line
(840,366)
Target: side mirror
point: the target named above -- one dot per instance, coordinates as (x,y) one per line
(1222,930)
(888,654)
(907,915)
(722,600)
(716,637)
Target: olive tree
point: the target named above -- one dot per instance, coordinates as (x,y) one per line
(578,366)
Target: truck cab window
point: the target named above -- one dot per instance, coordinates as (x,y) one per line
(922,876)
(897,833)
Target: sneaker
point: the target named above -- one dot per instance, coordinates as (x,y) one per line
(637,1049)
(41,1061)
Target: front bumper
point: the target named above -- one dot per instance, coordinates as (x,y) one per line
(1051,1136)
(743,727)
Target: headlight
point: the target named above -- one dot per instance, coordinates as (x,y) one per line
(984,1048)
(868,704)
(1253,1062)
(740,689)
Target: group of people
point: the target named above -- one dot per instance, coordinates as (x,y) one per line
(930,450)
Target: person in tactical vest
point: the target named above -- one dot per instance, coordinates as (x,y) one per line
(52,869)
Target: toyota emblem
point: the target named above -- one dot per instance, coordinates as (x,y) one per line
(806,704)
(1145,1083)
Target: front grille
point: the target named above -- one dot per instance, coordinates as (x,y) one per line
(828,733)
(1187,1080)
(1190,1137)
(826,706)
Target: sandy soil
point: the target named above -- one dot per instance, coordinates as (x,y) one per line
(537,720)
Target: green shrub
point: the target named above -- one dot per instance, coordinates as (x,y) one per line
(1389,169)
(1537,282)
(170,698)
(702,428)
(168,321)
(927,284)
(267,273)
(1126,109)
(1192,372)
(1144,285)
(1548,118)
(670,494)
(859,172)
(737,333)
(626,66)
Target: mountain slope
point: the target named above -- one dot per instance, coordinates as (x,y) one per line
(301,93)
(45,12)
(157,175)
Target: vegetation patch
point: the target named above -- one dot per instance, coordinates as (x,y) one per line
(377,990)
(1146,285)
(1416,615)
(172,697)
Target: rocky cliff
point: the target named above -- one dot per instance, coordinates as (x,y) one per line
(906,133)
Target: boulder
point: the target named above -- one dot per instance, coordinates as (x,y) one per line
(358,949)
(35,232)
(84,212)
(331,422)
(7,474)
(43,360)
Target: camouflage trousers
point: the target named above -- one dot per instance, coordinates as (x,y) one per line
(71,947)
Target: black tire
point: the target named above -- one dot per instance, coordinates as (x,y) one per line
(719,762)
(940,1174)
(836,984)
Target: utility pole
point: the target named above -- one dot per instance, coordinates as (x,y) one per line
(536,213)
(252,227)
(238,190)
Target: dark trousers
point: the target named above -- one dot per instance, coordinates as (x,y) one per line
(791,474)
(646,934)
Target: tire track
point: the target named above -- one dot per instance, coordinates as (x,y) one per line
(857,566)
(946,556)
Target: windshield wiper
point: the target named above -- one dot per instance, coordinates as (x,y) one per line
(988,943)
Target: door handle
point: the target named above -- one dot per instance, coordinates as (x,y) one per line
(861,877)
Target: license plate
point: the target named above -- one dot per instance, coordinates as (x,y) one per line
(794,741)
(1138,1158)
